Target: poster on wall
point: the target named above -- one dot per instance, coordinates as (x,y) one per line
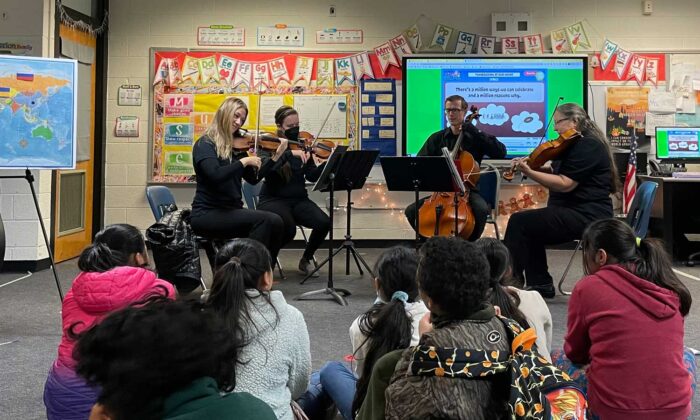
(38,109)
(626,112)
(378,113)
(221,35)
(285,36)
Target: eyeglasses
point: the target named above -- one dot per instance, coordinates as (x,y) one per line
(558,121)
(452,110)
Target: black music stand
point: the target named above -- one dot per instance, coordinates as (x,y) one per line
(421,173)
(30,179)
(349,172)
(325,182)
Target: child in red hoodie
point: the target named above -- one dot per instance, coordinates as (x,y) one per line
(626,323)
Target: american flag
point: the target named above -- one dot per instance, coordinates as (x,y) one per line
(630,187)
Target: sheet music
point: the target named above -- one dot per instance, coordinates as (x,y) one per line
(331,164)
(268,106)
(453,169)
(313,110)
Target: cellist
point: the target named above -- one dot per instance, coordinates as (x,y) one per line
(580,182)
(474,141)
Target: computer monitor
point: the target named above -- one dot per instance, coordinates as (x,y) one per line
(678,144)
(514,95)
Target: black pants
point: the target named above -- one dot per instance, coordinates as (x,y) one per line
(530,231)
(299,211)
(476,202)
(262,226)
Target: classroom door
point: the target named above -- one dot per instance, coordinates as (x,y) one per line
(73,198)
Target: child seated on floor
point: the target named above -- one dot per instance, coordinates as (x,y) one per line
(625,322)
(164,360)
(112,275)
(275,360)
(453,279)
(391,323)
(527,307)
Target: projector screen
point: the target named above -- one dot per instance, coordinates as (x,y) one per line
(515,95)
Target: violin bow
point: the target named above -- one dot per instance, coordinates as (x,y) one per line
(325,121)
(257,125)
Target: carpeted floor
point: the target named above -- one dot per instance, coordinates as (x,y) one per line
(30,320)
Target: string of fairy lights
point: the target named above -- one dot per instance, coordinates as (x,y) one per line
(512,199)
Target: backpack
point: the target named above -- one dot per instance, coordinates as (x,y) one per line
(538,389)
(175,249)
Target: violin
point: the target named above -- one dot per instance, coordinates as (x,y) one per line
(270,142)
(321,148)
(437,216)
(547,151)
(246,141)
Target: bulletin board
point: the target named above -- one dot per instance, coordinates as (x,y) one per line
(189,85)
(677,82)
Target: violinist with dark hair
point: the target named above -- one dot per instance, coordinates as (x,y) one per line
(475,141)
(220,166)
(284,191)
(580,180)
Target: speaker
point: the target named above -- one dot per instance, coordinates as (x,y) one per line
(621,160)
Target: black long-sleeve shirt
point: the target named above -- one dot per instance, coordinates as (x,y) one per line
(219,180)
(277,186)
(475,141)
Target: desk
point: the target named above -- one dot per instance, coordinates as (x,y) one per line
(675,213)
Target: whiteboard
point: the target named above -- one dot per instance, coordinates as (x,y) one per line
(313,110)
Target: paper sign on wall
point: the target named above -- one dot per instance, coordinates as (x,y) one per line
(339,36)
(220,35)
(281,37)
(129,95)
(127,126)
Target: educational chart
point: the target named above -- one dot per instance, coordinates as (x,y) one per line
(378,116)
(37,112)
(323,115)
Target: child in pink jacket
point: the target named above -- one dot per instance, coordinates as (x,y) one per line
(112,277)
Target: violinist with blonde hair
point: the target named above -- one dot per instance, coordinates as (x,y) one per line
(217,208)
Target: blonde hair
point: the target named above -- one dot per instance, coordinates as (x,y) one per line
(219,129)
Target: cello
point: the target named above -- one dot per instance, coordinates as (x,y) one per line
(449,213)
(546,151)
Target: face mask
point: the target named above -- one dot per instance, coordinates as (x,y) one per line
(292,133)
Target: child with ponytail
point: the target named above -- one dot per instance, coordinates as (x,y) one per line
(390,324)
(113,275)
(626,323)
(526,307)
(275,361)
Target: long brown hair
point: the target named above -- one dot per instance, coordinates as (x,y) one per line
(649,260)
(586,126)
(280,115)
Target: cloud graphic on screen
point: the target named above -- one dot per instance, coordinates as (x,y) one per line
(493,115)
(526,122)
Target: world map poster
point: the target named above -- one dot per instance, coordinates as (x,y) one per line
(37,112)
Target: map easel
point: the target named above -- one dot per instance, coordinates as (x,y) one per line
(30,179)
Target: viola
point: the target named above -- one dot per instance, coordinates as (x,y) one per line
(437,215)
(549,150)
